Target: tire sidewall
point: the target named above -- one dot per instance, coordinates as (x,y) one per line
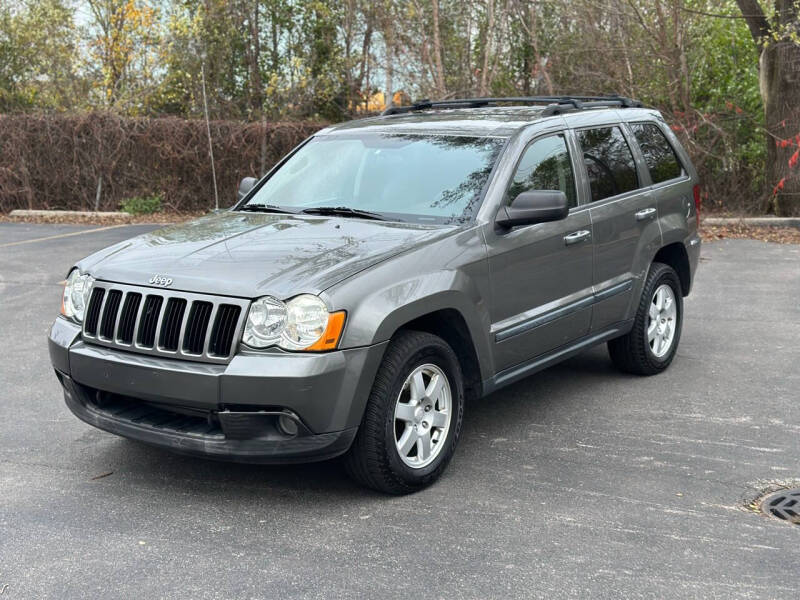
(444,358)
(669,277)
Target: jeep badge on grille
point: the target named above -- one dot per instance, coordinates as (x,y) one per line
(161,280)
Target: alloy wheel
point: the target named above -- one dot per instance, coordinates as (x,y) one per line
(662,320)
(422,416)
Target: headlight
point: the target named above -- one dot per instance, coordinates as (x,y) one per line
(302,323)
(76,295)
(306,320)
(266,322)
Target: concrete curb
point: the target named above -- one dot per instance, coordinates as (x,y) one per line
(755,221)
(70,213)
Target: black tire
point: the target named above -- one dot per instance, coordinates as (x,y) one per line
(373,459)
(631,353)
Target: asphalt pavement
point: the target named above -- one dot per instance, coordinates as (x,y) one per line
(579,482)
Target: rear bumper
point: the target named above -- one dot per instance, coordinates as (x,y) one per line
(224,411)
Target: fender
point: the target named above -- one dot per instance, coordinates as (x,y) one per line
(400,290)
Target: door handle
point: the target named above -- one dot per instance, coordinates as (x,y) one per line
(577,236)
(645,213)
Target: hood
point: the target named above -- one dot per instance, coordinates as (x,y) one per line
(249,254)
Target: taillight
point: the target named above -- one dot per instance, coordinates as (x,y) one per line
(696,191)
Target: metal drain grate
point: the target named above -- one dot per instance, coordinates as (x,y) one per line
(783,504)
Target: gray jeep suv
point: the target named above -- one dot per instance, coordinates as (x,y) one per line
(382,273)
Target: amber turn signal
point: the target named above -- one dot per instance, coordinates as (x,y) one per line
(330,339)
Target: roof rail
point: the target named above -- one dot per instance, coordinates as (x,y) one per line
(554,104)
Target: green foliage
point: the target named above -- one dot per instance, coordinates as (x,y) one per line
(142,205)
(37,56)
(724,63)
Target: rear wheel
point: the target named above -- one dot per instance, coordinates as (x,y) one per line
(413,417)
(652,343)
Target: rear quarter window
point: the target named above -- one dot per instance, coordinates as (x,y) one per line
(658,153)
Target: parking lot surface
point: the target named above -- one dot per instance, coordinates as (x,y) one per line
(579,482)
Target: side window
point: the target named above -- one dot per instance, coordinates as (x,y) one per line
(609,162)
(658,153)
(545,165)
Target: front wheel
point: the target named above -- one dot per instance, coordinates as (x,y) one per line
(652,343)
(412,421)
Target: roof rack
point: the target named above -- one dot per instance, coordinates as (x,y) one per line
(554,104)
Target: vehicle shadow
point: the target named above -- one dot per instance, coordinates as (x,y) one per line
(544,397)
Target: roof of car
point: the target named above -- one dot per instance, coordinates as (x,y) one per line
(500,121)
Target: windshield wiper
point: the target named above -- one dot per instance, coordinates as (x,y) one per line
(265,208)
(343,211)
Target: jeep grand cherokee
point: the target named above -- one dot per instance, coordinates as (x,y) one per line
(383,272)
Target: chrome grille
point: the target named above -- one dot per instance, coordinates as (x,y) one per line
(164,323)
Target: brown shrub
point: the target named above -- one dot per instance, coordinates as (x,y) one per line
(56,161)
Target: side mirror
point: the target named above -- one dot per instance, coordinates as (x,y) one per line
(535,206)
(245,186)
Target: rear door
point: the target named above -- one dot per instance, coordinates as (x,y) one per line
(624,220)
(671,184)
(541,274)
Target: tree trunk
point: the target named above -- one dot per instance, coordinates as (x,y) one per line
(274,54)
(254,58)
(487,48)
(680,56)
(352,100)
(364,63)
(539,68)
(388,39)
(779,76)
(779,79)
(437,51)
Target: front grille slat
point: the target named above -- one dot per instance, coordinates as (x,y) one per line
(216,332)
(195,337)
(93,312)
(190,339)
(210,329)
(149,321)
(127,319)
(224,328)
(171,323)
(160,322)
(225,343)
(176,324)
(110,312)
(184,325)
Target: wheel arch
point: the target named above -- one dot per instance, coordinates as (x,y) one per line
(450,325)
(675,256)
(450,303)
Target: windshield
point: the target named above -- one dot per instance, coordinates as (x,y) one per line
(422,178)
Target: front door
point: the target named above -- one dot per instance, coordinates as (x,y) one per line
(541,274)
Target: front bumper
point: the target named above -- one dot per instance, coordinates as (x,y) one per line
(225,411)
